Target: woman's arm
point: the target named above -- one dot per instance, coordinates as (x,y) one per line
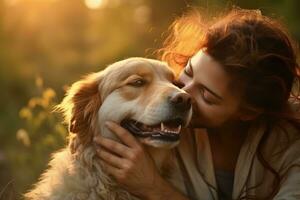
(132,167)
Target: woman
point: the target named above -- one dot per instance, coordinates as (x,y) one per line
(243,142)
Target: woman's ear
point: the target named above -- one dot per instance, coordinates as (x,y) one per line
(80,107)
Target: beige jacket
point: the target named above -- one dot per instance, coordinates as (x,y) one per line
(196,175)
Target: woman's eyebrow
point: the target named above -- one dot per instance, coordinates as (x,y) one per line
(201,85)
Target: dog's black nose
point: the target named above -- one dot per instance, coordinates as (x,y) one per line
(181,101)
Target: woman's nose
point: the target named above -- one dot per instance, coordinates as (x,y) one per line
(184,86)
(187,88)
(180,81)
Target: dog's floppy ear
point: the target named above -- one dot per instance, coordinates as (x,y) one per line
(80,108)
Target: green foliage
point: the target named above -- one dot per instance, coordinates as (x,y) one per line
(42,134)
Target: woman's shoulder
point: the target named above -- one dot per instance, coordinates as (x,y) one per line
(283,143)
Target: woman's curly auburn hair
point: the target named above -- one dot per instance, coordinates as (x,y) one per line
(256,51)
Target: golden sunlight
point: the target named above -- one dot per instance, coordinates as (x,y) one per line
(94,4)
(11,2)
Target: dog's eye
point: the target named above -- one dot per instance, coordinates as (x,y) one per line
(137,83)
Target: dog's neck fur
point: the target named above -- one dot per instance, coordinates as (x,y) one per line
(89,158)
(78,172)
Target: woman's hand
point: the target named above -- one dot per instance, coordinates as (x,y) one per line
(128,163)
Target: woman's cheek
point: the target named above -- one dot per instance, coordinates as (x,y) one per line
(213,114)
(204,109)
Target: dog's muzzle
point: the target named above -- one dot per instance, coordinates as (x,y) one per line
(166,130)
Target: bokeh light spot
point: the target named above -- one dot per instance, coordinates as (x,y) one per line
(94,4)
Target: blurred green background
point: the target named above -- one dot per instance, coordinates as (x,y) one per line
(45,45)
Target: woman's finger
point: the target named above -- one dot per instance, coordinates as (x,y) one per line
(110,158)
(122,133)
(113,146)
(110,169)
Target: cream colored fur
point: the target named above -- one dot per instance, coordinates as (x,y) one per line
(75,172)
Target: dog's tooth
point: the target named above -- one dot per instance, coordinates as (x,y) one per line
(178,129)
(162,127)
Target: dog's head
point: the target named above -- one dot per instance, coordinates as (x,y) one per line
(137,93)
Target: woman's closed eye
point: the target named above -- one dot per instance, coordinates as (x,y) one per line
(207,97)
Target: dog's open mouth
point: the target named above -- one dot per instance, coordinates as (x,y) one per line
(167,130)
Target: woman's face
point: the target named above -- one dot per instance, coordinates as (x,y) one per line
(214,102)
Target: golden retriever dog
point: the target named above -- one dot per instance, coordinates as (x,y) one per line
(137,93)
